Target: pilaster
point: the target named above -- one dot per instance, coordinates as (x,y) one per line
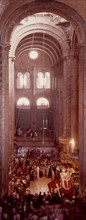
(1,118)
(33,107)
(74,98)
(67,94)
(4,108)
(82,117)
(11,106)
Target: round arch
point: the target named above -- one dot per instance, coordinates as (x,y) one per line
(51,31)
(23,101)
(16,12)
(42,101)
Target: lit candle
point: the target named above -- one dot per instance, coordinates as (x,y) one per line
(72,142)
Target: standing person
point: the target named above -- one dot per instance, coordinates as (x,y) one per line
(17,216)
(0,212)
(16,146)
(37,170)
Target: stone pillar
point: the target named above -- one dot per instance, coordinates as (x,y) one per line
(60,97)
(33,107)
(1,7)
(74,98)
(82,118)
(67,76)
(64,95)
(55,105)
(11,106)
(4,119)
(67,95)
(1,119)
(69,61)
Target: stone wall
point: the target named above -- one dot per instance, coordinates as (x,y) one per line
(78,5)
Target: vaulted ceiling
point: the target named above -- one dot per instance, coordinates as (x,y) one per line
(41,31)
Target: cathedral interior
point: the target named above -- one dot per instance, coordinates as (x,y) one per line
(42,90)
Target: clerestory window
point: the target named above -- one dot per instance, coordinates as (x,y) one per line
(43,80)
(23,80)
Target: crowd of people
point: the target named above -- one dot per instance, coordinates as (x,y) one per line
(32,165)
(28,133)
(21,204)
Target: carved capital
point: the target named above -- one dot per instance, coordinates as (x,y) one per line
(12,59)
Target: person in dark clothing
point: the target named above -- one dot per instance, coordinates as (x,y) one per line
(39,199)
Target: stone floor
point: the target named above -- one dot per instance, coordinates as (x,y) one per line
(40,184)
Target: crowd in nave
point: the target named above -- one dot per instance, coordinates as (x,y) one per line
(26,168)
(26,133)
(31,166)
(20,203)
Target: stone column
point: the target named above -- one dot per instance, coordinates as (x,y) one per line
(66,102)
(33,106)
(1,144)
(74,98)
(60,97)
(64,95)
(55,104)
(82,118)
(67,95)
(11,106)
(4,119)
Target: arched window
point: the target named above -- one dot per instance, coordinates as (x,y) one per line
(43,80)
(23,102)
(26,80)
(40,80)
(42,102)
(47,80)
(19,80)
(23,80)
